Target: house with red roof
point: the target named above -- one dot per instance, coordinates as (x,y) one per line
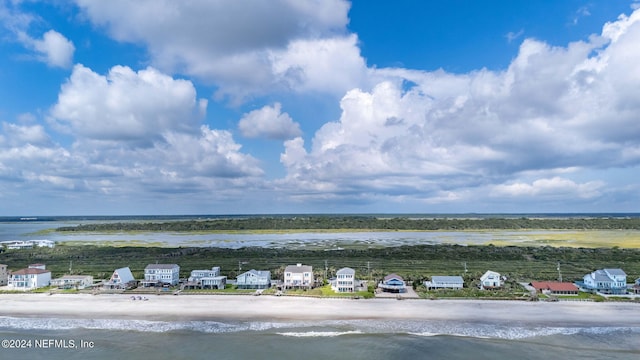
(555,287)
(33,277)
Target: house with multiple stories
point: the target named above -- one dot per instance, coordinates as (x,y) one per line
(121,279)
(215,282)
(606,281)
(4,275)
(298,277)
(491,280)
(444,282)
(206,279)
(345,280)
(393,283)
(73,282)
(161,274)
(33,277)
(254,279)
(208,273)
(555,288)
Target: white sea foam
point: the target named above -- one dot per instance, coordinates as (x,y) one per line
(328,328)
(134,325)
(320,333)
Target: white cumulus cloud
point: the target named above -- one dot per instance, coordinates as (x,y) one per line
(54,48)
(442,137)
(269,122)
(246,48)
(127,106)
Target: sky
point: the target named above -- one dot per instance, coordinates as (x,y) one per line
(319,106)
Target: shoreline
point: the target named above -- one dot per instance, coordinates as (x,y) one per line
(285,308)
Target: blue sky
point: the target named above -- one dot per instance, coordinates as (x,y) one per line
(287,106)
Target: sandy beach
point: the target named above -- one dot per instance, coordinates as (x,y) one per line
(208,307)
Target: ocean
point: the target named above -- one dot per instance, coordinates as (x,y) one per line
(355,339)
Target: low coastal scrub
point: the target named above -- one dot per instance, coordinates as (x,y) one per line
(415,263)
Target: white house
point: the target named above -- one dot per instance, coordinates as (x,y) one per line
(445,282)
(159,274)
(298,276)
(120,279)
(254,279)
(30,278)
(73,282)
(393,283)
(345,280)
(607,281)
(491,280)
(4,275)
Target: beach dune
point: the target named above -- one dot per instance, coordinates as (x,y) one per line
(210,307)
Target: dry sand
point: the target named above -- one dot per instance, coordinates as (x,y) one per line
(208,307)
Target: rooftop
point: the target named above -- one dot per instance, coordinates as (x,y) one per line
(162,266)
(299,268)
(554,286)
(29,271)
(449,279)
(346,271)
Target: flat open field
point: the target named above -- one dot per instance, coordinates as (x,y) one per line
(355,239)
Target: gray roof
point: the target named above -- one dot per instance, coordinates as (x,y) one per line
(600,275)
(125,274)
(161,266)
(298,268)
(258,273)
(447,279)
(346,271)
(616,272)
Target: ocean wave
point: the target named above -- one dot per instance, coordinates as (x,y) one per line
(320,333)
(328,328)
(135,325)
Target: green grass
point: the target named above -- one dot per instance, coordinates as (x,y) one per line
(328,292)
(511,290)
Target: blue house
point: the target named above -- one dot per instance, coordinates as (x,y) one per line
(393,283)
(254,279)
(606,281)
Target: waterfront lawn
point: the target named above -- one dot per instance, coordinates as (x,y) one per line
(511,290)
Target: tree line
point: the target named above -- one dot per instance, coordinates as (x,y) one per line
(362,223)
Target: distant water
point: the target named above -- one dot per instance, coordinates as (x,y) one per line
(136,339)
(27,228)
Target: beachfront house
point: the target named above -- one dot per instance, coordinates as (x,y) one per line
(161,274)
(214,282)
(491,280)
(4,275)
(206,279)
(254,279)
(298,277)
(73,282)
(393,283)
(345,280)
(606,281)
(121,279)
(33,277)
(444,282)
(555,288)
(196,275)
